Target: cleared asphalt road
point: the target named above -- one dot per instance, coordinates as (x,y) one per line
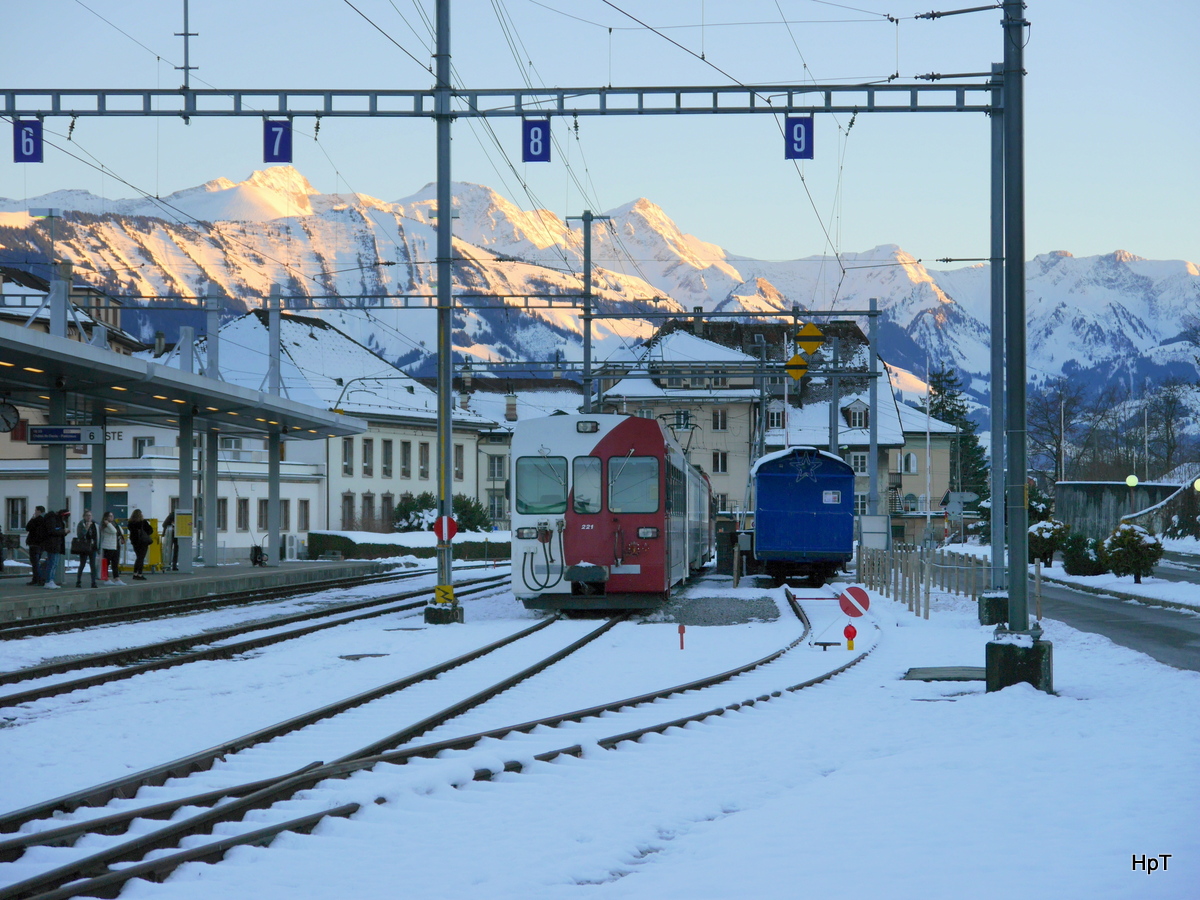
(1168,635)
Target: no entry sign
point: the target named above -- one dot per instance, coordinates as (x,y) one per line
(854,601)
(445,528)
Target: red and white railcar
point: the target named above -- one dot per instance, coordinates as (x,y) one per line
(607,513)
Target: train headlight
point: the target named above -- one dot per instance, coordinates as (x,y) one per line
(587,427)
(647,532)
(527,534)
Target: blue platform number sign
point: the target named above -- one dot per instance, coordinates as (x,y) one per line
(27,141)
(277,141)
(799,137)
(535,140)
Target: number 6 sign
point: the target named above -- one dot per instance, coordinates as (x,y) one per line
(277,141)
(535,140)
(27,141)
(798,134)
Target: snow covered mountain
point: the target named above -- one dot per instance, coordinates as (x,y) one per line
(1098,317)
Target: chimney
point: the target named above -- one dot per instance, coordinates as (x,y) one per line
(160,343)
(510,407)
(698,324)
(464,399)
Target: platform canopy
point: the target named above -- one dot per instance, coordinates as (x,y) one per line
(101,384)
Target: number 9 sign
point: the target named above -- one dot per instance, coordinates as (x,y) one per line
(535,140)
(798,135)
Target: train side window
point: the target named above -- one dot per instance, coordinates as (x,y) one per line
(541,485)
(633,484)
(585,481)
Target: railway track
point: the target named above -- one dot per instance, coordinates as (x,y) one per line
(135,661)
(107,870)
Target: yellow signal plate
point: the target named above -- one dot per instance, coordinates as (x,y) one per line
(810,338)
(797,367)
(443,593)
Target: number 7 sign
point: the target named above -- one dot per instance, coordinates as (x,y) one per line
(277,141)
(27,141)
(798,135)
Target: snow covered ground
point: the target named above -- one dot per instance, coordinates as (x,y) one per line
(864,786)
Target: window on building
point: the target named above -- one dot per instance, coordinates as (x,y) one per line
(722,502)
(368,457)
(140,445)
(775,379)
(423,459)
(230,443)
(860,417)
(387,510)
(497,508)
(497,467)
(858,462)
(348,522)
(720,420)
(674,381)
(348,457)
(285,514)
(720,462)
(406,459)
(460,462)
(262,514)
(368,511)
(720,381)
(385,462)
(910,464)
(683,418)
(222,514)
(775,418)
(243,513)
(860,504)
(16,513)
(302,520)
(645,412)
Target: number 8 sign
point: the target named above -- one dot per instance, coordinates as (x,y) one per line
(798,134)
(27,141)
(535,140)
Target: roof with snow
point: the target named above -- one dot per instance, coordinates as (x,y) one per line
(323,367)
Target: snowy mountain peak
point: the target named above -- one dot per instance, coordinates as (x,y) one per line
(282,180)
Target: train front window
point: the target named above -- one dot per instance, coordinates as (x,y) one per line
(541,485)
(633,484)
(586,484)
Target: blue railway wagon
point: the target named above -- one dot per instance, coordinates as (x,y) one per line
(803,514)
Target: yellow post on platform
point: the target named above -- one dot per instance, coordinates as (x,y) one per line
(154,551)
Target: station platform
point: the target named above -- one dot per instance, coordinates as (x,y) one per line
(19,600)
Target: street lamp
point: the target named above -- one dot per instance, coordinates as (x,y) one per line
(1132,481)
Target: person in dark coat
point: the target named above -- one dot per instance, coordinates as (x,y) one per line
(141,536)
(88,536)
(54,545)
(35,536)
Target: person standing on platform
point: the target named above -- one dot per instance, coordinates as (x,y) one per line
(34,537)
(54,547)
(169,540)
(111,539)
(86,543)
(141,536)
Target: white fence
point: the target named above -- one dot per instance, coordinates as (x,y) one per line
(908,572)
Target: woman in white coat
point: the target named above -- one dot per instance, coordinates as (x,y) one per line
(111,539)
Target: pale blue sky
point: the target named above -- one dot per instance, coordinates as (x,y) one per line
(1112,128)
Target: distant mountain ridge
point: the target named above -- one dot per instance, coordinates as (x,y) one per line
(1098,317)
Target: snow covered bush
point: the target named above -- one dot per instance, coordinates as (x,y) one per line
(1044,539)
(1132,550)
(1082,555)
(417,513)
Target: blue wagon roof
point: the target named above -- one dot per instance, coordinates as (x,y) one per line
(784,454)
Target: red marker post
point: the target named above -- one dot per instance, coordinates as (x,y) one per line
(851,633)
(681,630)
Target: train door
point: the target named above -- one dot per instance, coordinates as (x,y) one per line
(590,533)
